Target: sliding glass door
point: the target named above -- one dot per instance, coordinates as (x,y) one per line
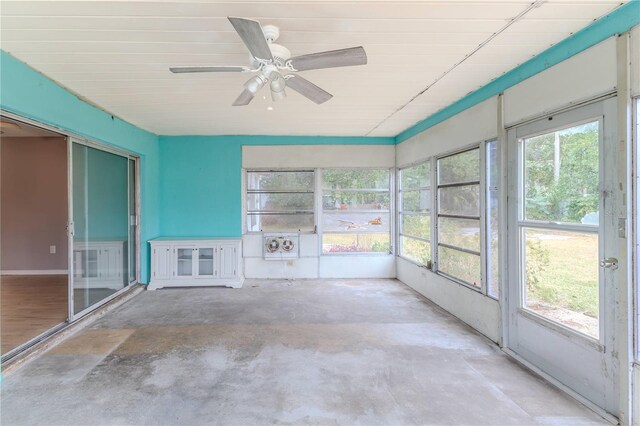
(105,225)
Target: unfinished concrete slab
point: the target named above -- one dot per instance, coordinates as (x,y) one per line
(369,352)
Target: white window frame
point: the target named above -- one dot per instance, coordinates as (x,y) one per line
(320,212)
(487,279)
(400,212)
(246,192)
(481,218)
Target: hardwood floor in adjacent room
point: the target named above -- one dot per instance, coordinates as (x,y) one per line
(30,305)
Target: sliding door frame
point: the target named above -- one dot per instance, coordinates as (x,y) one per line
(71,139)
(124,154)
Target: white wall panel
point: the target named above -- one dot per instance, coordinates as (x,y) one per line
(479,311)
(582,77)
(635,61)
(304,267)
(290,156)
(470,126)
(377,266)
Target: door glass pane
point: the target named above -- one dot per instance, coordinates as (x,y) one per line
(101,225)
(205,261)
(561,172)
(185,261)
(133,226)
(561,278)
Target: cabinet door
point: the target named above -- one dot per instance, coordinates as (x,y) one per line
(205,262)
(228,261)
(110,263)
(185,261)
(162,262)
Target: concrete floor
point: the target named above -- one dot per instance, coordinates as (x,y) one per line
(330,352)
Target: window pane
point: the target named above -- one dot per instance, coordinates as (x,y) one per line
(416,201)
(562,175)
(416,250)
(355,222)
(282,180)
(356,243)
(464,233)
(280,222)
(460,265)
(343,200)
(279,202)
(355,179)
(457,168)
(459,200)
(416,177)
(416,225)
(562,277)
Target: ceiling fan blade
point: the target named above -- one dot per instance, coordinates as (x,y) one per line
(245,97)
(330,59)
(251,34)
(179,70)
(308,89)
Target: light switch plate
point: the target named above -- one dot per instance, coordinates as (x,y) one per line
(52,249)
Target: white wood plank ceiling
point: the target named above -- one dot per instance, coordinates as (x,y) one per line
(116,54)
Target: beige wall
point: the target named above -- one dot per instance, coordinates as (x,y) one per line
(33,203)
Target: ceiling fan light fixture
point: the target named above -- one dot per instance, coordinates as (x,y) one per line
(277,85)
(256,83)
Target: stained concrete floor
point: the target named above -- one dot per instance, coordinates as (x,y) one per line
(368,352)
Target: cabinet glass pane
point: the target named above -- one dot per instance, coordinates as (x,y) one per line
(205,261)
(185,262)
(101,225)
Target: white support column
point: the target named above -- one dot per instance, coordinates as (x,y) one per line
(624,295)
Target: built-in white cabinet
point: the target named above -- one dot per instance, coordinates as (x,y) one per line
(195,262)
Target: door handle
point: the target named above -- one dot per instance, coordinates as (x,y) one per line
(610,263)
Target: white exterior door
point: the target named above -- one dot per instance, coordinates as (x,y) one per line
(563,233)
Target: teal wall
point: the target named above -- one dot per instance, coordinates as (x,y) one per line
(30,94)
(201,180)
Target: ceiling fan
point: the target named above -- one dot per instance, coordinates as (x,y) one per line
(272,64)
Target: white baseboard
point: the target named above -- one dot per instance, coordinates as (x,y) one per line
(35,272)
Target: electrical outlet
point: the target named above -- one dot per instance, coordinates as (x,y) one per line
(52,249)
